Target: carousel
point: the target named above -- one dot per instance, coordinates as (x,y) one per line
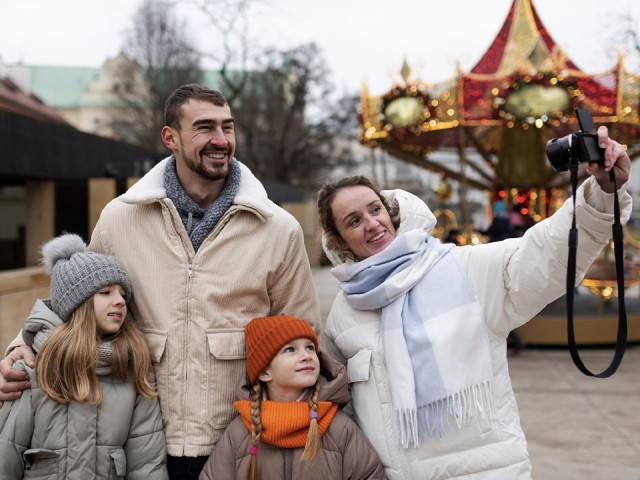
(497,118)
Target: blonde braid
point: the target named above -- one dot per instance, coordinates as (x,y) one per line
(256,431)
(312,447)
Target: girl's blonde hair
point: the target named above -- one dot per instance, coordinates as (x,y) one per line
(66,363)
(312,446)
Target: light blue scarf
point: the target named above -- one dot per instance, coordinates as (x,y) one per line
(433,333)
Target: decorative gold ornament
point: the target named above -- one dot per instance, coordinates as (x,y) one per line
(443,190)
(404,111)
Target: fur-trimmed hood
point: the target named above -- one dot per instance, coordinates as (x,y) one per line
(150,188)
(407,211)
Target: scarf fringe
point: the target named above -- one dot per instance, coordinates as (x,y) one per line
(431,421)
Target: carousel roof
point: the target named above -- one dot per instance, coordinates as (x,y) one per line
(522,39)
(524,54)
(522,92)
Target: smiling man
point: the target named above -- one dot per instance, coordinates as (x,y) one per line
(206,251)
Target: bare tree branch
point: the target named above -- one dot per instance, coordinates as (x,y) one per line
(159,42)
(627,34)
(230,18)
(287,121)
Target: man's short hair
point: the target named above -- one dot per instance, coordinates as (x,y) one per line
(185,93)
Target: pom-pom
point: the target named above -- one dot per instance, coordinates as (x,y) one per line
(61,248)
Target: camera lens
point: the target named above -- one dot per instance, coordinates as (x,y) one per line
(559,153)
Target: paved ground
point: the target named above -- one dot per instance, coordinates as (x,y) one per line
(577,427)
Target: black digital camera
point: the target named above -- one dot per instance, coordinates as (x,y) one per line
(576,148)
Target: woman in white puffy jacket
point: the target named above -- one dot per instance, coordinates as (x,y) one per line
(422,326)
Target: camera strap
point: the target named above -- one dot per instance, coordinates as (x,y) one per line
(621,340)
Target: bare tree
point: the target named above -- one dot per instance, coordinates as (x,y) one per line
(287,126)
(627,34)
(287,123)
(160,43)
(230,19)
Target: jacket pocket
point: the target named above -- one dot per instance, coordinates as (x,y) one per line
(157,341)
(41,463)
(118,463)
(225,372)
(358,366)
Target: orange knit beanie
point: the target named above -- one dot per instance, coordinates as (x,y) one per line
(264,336)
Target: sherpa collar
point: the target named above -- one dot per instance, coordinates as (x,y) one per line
(150,188)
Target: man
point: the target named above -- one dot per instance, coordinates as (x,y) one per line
(206,251)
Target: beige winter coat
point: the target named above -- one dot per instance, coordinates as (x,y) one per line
(193,306)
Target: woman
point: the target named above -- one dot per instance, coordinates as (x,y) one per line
(422,326)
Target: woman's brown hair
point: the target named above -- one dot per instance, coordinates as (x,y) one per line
(66,364)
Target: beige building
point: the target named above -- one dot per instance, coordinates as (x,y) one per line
(91,99)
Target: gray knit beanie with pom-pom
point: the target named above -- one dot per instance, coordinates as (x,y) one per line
(77,273)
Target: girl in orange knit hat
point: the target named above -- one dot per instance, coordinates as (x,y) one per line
(290,425)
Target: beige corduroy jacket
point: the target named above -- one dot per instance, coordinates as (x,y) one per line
(193,306)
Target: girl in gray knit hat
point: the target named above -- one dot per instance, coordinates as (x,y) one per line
(92,411)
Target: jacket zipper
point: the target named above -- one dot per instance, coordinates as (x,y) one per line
(288,471)
(176,227)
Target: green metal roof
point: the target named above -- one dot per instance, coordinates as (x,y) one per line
(62,87)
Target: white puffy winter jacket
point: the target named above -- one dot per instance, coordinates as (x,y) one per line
(513,280)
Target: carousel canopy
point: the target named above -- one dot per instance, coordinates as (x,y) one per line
(522,92)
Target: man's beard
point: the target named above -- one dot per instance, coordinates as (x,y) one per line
(198,167)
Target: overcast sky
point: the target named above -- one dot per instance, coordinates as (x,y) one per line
(362,40)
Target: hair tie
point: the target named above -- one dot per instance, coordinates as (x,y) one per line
(313,415)
(253,450)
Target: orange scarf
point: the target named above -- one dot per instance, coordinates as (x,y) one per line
(286,424)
